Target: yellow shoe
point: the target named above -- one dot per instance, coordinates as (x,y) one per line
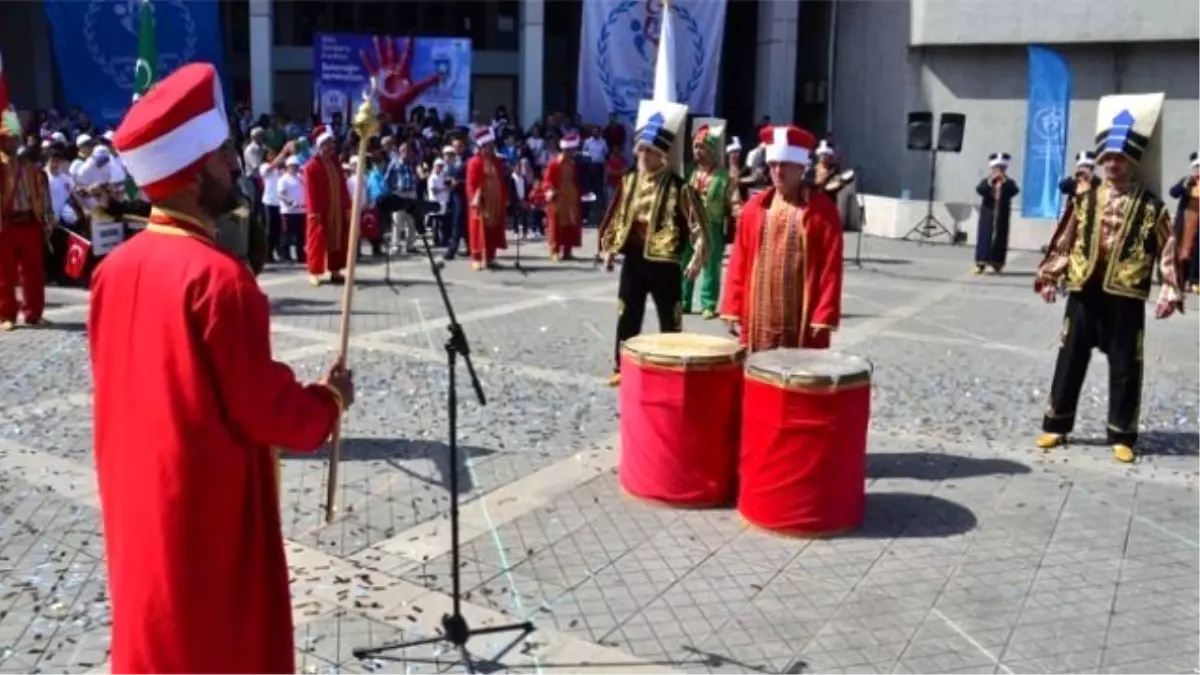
(978,270)
(6,326)
(708,315)
(314,280)
(477,266)
(553,257)
(614,379)
(1048,441)
(1123,454)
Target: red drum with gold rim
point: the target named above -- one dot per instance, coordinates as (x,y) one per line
(802,467)
(680,396)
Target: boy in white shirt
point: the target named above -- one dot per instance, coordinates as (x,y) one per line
(271,170)
(292,210)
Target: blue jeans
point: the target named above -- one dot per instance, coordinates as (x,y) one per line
(454,226)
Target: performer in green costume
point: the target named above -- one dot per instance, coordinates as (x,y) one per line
(719,194)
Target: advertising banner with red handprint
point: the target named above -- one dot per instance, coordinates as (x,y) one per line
(424,71)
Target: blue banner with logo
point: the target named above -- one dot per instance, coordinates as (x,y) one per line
(96,47)
(619,43)
(344,62)
(1045,132)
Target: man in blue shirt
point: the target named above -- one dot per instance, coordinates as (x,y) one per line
(456,221)
(401,180)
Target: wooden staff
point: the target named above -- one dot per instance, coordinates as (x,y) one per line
(366,125)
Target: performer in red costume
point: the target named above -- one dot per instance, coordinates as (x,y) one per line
(25,221)
(188,404)
(564,204)
(488,195)
(327,235)
(784,285)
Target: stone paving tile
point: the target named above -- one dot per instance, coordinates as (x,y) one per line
(978,554)
(54,612)
(43,363)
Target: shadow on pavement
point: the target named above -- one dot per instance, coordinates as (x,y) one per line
(1157,442)
(937,466)
(394,452)
(900,515)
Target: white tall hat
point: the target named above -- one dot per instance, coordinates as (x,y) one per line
(659,126)
(1127,124)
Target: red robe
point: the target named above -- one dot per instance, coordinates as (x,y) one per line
(784,282)
(564,214)
(24,209)
(187,405)
(327,235)
(486,222)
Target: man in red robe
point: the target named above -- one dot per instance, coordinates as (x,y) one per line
(25,221)
(188,404)
(327,231)
(784,284)
(487,195)
(564,202)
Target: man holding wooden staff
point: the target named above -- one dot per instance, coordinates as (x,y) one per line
(188,404)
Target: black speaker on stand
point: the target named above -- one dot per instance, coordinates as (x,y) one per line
(951,127)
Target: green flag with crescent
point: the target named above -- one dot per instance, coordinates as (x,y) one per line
(146,70)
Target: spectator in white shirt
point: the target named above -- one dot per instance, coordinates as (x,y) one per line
(93,179)
(595,147)
(62,199)
(438,187)
(292,209)
(271,170)
(84,144)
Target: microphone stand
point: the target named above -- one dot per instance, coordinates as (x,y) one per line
(454,626)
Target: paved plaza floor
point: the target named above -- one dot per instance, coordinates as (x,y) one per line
(978,553)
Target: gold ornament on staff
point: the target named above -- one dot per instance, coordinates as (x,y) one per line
(366,125)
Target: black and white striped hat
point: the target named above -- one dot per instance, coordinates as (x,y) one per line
(1085,158)
(999,159)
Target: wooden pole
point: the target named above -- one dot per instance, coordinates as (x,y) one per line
(365,125)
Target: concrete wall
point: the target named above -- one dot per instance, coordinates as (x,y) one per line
(961,22)
(880,79)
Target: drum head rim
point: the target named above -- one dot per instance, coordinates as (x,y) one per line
(735,353)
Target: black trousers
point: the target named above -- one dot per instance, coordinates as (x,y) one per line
(662,281)
(1114,325)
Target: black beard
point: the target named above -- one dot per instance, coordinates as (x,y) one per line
(217,200)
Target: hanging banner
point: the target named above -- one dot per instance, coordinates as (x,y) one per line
(619,41)
(343,63)
(96,48)
(1045,132)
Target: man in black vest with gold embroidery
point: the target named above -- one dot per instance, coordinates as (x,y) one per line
(1106,247)
(652,215)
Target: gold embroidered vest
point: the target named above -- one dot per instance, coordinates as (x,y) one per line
(1129,266)
(657,204)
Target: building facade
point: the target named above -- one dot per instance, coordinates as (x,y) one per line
(849,69)
(969,56)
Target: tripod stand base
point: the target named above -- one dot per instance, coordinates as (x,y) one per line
(455,631)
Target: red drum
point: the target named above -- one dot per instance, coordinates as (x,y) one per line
(679,405)
(805,414)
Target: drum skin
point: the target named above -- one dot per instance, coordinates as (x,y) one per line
(679,428)
(802,467)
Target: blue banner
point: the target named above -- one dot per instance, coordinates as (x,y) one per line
(1045,132)
(344,62)
(96,47)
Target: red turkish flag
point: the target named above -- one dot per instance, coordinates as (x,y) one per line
(369,225)
(77,255)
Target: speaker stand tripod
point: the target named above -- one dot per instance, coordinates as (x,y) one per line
(455,630)
(929,227)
